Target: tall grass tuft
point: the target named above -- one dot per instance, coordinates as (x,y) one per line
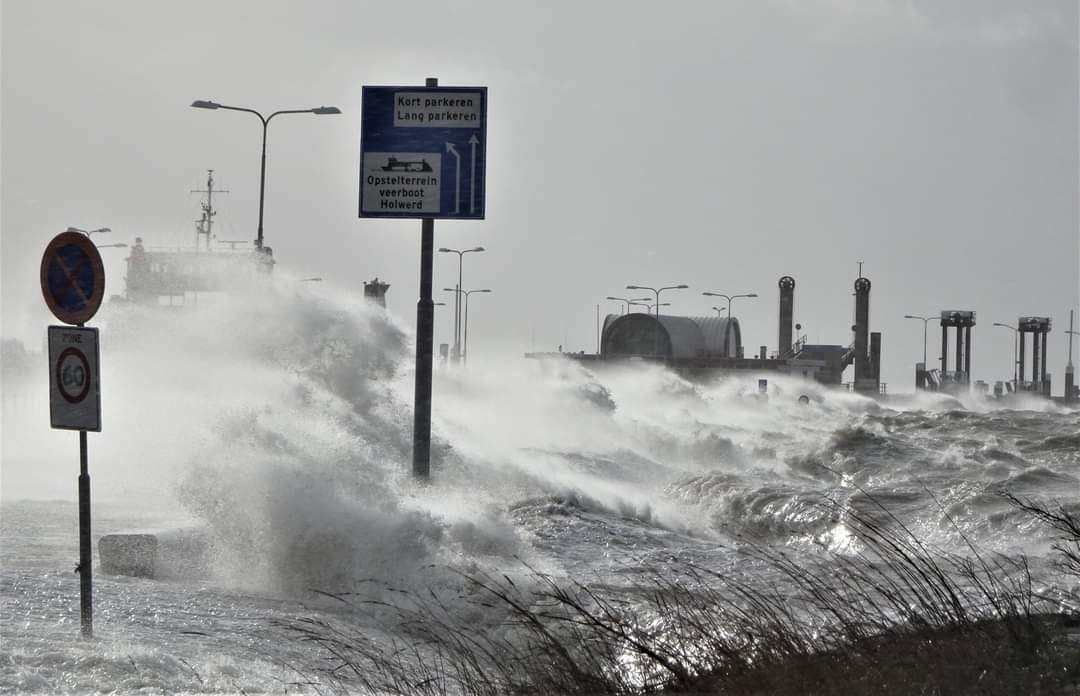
(896,616)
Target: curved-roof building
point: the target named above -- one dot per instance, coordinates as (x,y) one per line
(670,336)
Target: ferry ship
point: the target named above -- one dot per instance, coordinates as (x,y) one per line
(176,275)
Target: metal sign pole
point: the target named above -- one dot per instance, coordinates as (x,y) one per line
(73,285)
(408,135)
(425,338)
(86,562)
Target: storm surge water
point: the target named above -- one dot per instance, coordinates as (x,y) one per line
(278,429)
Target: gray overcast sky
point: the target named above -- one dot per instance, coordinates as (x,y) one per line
(718,144)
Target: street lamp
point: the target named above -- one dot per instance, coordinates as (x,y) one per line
(635,303)
(457,300)
(657,291)
(727,327)
(465,340)
(651,305)
(720,310)
(628,301)
(89,233)
(1016,360)
(923,320)
(319,110)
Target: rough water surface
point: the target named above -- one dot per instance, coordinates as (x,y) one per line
(279,427)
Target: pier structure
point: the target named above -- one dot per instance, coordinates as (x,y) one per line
(962,321)
(1038,327)
(703,347)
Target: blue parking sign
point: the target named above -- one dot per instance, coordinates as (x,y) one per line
(423,152)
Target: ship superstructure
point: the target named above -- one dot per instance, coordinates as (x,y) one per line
(177,275)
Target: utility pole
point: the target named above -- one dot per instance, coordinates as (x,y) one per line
(1070,379)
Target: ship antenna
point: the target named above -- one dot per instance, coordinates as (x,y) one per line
(206,224)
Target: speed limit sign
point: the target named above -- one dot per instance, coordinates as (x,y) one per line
(74,384)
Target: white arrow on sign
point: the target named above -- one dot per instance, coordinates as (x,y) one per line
(472,174)
(457,177)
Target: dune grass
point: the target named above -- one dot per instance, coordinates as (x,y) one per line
(896,617)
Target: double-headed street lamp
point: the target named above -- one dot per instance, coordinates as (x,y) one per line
(627,300)
(457,300)
(657,292)
(727,327)
(89,233)
(720,311)
(729,298)
(465,340)
(319,110)
(924,320)
(1016,360)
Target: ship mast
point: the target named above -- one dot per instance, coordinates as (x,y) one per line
(205,224)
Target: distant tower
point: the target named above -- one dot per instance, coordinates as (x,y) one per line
(787,314)
(865,381)
(375,291)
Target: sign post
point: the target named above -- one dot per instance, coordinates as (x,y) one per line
(73,284)
(412,165)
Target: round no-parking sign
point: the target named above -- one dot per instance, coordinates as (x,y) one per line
(72,277)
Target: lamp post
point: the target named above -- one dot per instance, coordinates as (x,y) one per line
(457,300)
(89,233)
(1070,386)
(457,293)
(924,320)
(465,321)
(1016,361)
(727,327)
(657,292)
(628,301)
(319,111)
(720,311)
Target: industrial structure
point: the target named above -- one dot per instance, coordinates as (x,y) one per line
(962,321)
(1038,327)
